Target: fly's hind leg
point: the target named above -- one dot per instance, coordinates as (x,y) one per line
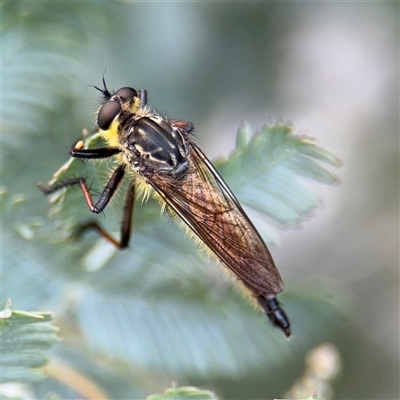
(126,223)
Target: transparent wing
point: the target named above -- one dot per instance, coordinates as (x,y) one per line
(205,203)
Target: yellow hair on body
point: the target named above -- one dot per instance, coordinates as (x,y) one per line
(144,190)
(111,135)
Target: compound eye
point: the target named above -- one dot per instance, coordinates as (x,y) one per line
(126,93)
(107,114)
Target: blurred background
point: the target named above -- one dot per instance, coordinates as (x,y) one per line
(330,69)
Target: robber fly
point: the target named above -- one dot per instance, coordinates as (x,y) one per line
(164,156)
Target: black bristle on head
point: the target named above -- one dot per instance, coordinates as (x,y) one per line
(106,93)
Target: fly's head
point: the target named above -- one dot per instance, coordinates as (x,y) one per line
(116,110)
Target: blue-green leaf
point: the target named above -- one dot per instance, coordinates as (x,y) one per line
(24,339)
(184,393)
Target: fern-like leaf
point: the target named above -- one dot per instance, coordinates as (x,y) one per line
(162,306)
(271,173)
(184,393)
(24,339)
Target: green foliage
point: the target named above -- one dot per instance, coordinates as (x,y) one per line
(162,305)
(161,310)
(271,172)
(25,337)
(184,393)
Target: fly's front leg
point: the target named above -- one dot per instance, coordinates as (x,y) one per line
(95,154)
(78,152)
(104,198)
(108,191)
(100,205)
